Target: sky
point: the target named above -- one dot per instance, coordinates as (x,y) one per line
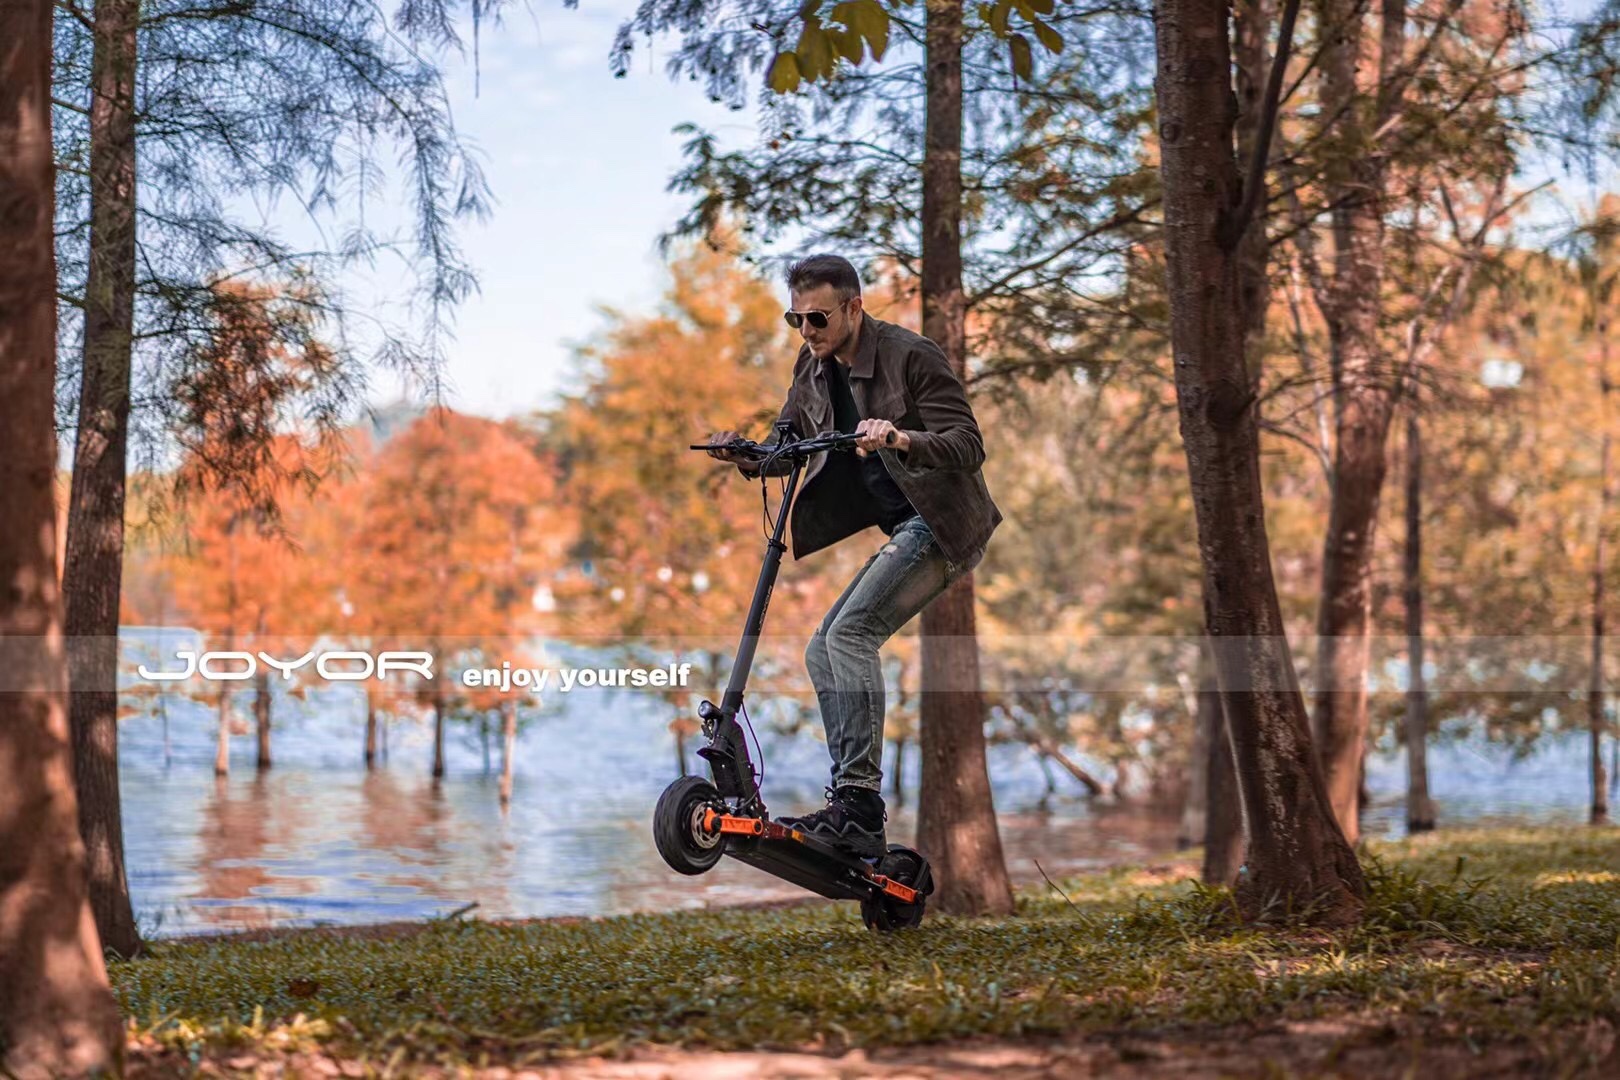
(578,162)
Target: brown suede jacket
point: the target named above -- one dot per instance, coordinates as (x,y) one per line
(905,379)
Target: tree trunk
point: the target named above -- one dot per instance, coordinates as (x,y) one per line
(508,748)
(1223,833)
(57,1016)
(1354,184)
(1223,817)
(1298,858)
(1419,807)
(897,779)
(438,734)
(371,727)
(956,816)
(93,569)
(222,743)
(1594,698)
(1614,765)
(222,752)
(1252,28)
(222,747)
(261,718)
(1049,751)
(261,710)
(1195,806)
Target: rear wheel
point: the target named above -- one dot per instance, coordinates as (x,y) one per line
(884,913)
(678,826)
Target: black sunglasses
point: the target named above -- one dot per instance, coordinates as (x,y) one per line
(817,319)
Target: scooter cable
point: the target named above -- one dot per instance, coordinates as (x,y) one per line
(759,751)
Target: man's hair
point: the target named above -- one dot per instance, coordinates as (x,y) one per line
(834,270)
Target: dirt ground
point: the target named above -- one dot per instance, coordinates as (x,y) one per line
(1352,1047)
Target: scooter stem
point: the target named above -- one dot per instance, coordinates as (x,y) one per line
(774,547)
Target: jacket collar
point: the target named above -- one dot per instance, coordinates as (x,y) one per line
(865,362)
(866,354)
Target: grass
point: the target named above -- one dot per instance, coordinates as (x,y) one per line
(1479,937)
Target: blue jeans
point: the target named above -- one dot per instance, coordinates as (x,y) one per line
(900,580)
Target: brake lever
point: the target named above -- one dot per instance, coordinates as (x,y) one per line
(736,446)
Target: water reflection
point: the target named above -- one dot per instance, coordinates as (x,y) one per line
(319,840)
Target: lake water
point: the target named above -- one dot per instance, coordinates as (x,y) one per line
(319,840)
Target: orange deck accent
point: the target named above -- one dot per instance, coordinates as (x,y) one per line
(714,821)
(903,893)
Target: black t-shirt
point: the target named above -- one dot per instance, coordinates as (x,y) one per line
(870,475)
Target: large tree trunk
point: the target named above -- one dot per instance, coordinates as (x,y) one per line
(508,747)
(1594,698)
(1419,807)
(956,816)
(1364,392)
(1298,858)
(1220,819)
(57,1016)
(93,571)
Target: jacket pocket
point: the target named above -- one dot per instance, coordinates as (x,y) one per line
(890,405)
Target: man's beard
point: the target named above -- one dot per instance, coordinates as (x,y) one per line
(838,349)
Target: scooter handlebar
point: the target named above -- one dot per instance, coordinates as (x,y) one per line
(801,448)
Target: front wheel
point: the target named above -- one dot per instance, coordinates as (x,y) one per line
(678,826)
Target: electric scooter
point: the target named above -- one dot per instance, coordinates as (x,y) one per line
(697,821)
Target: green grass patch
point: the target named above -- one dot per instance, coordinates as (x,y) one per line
(1483,935)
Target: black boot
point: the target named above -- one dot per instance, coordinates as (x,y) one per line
(852,820)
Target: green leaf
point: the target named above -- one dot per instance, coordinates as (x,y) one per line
(815,51)
(998,17)
(1023,64)
(848,44)
(785,78)
(870,19)
(1049,37)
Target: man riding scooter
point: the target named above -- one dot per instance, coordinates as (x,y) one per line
(917,477)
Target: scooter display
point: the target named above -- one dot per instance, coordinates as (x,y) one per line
(697,821)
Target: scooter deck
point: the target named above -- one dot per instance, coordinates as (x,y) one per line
(804,860)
